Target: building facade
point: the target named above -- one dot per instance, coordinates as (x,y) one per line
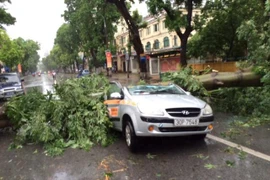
(161,47)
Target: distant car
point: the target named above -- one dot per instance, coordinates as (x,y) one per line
(84,72)
(10,85)
(157,110)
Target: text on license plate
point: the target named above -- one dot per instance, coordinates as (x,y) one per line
(186,122)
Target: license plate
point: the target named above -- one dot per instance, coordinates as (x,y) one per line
(186,122)
(10,93)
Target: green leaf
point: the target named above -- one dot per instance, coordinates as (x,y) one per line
(210,166)
(150,156)
(230,163)
(242,155)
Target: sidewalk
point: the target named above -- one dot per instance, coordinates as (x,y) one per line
(123,78)
(133,79)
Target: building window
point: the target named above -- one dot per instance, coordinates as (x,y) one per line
(123,40)
(156,44)
(156,27)
(166,42)
(148,46)
(163,25)
(141,33)
(175,40)
(148,31)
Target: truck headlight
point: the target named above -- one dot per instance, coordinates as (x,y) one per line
(150,110)
(207,110)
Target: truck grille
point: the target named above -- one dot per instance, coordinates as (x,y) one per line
(184,112)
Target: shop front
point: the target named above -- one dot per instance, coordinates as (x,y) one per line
(164,61)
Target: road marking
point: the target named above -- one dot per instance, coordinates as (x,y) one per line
(242,148)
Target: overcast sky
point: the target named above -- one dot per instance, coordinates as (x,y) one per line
(39,20)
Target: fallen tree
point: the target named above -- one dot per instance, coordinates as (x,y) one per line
(216,80)
(74,116)
(212,79)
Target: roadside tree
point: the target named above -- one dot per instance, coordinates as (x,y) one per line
(179,18)
(5,17)
(95,23)
(217,34)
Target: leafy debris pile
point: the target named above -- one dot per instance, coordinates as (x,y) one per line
(185,79)
(74,116)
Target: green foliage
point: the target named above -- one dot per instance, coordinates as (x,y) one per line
(179,18)
(30,54)
(230,163)
(5,17)
(150,156)
(256,31)
(74,116)
(187,81)
(66,48)
(141,82)
(217,35)
(242,155)
(58,58)
(139,19)
(92,26)
(251,102)
(13,52)
(210,166)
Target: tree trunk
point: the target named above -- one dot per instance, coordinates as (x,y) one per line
(188,29)
(94,60)
(183,54)
(134,30)
(229,79)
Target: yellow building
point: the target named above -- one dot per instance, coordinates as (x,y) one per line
(162,48)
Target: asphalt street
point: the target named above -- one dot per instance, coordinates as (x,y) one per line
(180,158)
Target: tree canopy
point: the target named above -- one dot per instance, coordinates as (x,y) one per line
(217,35)
(94,23)
(179,18)
(5,17)
(13,52)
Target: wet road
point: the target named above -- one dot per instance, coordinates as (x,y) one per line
(159,158)
(44,82)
